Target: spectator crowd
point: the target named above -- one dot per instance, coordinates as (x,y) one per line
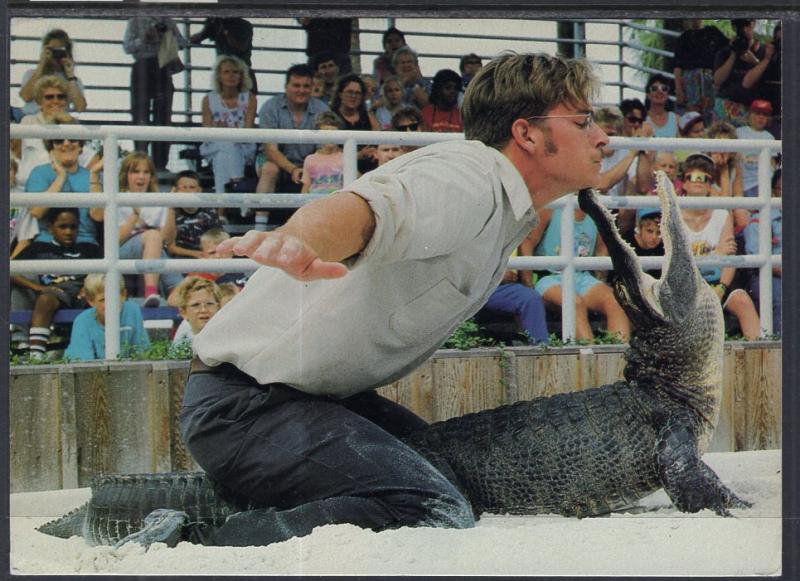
(718,88)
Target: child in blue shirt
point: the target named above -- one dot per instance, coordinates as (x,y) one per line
(88,338)
(53,291)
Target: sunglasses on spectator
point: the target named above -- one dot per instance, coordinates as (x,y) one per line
(634,120)
(51,96)
(658,87)
(698,177)
(409,127)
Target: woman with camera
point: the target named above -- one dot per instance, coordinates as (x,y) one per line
(55,59)
(731,66)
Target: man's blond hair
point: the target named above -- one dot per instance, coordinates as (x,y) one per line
(518,86)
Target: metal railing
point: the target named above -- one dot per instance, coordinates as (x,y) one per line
(111,199)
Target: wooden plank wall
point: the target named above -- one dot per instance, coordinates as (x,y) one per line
(69,423)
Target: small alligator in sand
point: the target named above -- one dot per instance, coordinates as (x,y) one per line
(577,454)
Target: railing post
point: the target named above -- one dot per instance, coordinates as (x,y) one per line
(579,33)
(621,60)
(765,241)
(350,161)
(111,245)
(187,75)
(568,274)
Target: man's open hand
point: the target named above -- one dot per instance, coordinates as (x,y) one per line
(283,251)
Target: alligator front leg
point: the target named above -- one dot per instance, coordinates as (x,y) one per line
(690,483)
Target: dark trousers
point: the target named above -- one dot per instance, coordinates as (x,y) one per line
(313,460)
(151,103)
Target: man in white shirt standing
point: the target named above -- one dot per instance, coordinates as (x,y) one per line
(358,289)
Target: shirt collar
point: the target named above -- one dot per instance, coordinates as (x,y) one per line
(513,184)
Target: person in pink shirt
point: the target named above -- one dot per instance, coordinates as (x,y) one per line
(323,170)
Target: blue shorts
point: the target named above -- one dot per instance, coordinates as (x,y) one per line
(584,280)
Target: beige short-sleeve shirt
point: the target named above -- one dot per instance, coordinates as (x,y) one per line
(447,218)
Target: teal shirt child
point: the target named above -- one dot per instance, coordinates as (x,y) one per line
(88,338)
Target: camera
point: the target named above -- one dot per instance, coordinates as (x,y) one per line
(58,53)
(739,45)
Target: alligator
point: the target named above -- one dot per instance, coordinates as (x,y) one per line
(579,454)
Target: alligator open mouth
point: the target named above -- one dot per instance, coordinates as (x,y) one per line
(647,300)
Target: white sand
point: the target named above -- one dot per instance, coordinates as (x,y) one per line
(659,541)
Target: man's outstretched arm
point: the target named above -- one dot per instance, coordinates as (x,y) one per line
(312,244)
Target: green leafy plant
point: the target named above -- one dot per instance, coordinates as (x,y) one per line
(468,336)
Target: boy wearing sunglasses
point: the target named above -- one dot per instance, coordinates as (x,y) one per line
(711,232)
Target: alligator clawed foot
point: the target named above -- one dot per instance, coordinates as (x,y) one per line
(160,526)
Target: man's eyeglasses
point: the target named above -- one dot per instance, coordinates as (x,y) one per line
(409,127)
(658,87)
(588,118)
(698,177)
(632,119)
(52,96)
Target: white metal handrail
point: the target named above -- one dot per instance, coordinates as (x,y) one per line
(111,198)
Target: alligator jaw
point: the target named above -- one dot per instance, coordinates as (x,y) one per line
(635,290)
(680,278)
(647,300)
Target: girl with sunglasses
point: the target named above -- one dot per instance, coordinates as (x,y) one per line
(659,107)
(711,232)
(55,59)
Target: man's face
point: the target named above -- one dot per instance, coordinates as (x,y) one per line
(298,90)
(572,149)
(65,229)
(759,121)
(328,71)
(387,152)
(648,233)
